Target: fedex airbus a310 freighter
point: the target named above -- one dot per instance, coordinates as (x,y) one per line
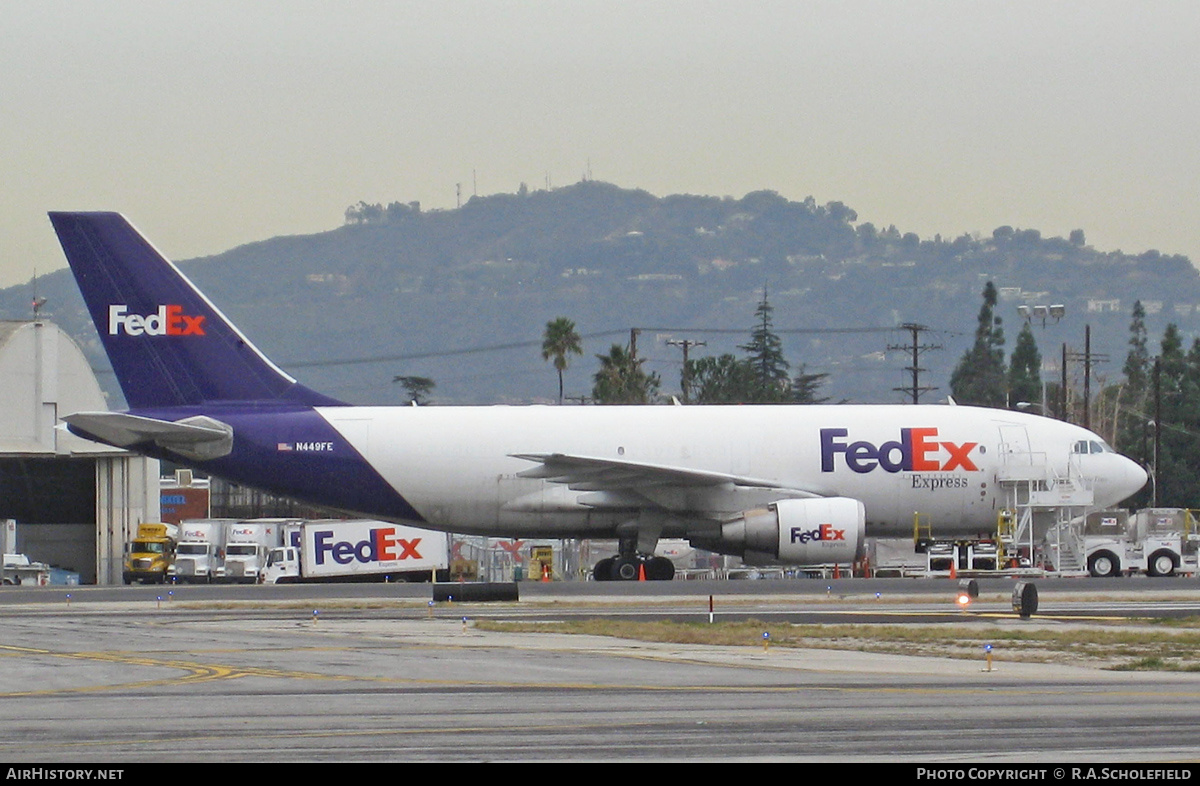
(792,484)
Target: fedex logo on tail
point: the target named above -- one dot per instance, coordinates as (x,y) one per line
(167,321)
(380,545)
(917,450)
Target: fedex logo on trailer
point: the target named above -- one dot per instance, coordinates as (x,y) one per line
(167,321)
(917,450)
(380,545)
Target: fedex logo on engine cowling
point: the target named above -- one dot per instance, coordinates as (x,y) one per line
(167,321)
(917,450)
(821,533)
(380,545)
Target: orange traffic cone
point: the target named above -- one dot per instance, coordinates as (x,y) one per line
(641,571)
(545,572)
(954,568)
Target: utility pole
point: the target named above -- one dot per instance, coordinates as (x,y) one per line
(1157,427)
(1062,390)
(1089,359)
(914,349)
(633,334)
(686,379)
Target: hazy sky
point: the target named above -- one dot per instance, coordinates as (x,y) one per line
(211,124)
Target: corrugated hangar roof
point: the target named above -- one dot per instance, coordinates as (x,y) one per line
(43,376)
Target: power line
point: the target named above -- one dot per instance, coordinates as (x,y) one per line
(359,361)
(538,343)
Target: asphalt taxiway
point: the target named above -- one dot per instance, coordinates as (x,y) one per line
(117,675)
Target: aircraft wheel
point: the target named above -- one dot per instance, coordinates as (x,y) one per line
(626,568)
(603,570)
(1161,563)
(660,569)
(1104,564)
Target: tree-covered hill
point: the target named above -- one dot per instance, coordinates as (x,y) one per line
(400,291)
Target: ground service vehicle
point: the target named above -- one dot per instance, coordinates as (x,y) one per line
(18,570)
(201,550)
(1150,541)
(359,550)
(796,485)
(149,555)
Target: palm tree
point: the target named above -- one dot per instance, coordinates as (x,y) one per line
(559,341)
(621,379)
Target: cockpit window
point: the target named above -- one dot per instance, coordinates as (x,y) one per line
(1085,446)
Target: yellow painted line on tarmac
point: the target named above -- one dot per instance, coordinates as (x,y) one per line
(195,671)
(6,649)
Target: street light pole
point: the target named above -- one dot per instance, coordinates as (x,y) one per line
(1055,311)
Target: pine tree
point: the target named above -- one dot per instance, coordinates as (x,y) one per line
(1134,412)
(805,387)
(1137,362)
(767,364)
(979,377)
(1178,372)
(1025,369)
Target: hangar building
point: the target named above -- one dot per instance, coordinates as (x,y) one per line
(75,502)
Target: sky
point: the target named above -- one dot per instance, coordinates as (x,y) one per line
(211,124)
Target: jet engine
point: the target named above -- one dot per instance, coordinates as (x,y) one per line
(798,532)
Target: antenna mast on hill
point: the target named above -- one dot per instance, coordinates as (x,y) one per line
(38,302)
(914,349)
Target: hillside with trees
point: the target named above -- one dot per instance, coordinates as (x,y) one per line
(459,301)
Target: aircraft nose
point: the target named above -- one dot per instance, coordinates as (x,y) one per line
(1133,477)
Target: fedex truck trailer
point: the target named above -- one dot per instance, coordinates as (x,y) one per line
(359,550)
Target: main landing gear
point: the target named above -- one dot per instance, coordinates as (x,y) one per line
(631,568)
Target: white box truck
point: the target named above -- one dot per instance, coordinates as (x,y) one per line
(247,544)
(359,550)
(200,552)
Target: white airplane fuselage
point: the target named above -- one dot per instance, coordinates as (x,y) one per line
(457,468)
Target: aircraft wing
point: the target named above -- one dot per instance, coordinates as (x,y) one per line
(614,483)
(197,437)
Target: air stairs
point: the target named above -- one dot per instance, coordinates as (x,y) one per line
(1039,526)
(1039,498)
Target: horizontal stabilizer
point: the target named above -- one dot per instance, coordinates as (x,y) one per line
(197,437)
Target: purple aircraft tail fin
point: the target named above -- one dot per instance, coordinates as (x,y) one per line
(168,344)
